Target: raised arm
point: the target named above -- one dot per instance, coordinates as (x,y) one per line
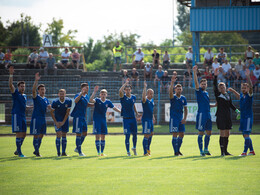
(234,92)
(144,93)
(121,90)
(91,99)
(215,82)
(249,82)
(195,68)
(11,72)
(172,86)
(37,78)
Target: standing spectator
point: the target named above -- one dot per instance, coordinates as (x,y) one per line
(256,60)
(156,58)
(189,57)
(117,51)
(226,66)
(231,77)
(42,57)
(2,56)
(187,76)
(139,57)
(257,75)
(215,65)
(243,73)
(239,66)
(8,58)
(221,75)
(124,76)
(32,59)
(75,56)
(207,74)
(134,77)
(251,66)
(158,74)
(148,71)
(166,60)
(64,63)
(50,65)
(208,57)
(166,81)
(221,56)
(249,54)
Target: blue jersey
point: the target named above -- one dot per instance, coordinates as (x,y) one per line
(176,109)
(80,108)
(127,103)
(19,103)
(40,104)
(148,109)
(203,101)
(61,108)
(101,108)
(246,103)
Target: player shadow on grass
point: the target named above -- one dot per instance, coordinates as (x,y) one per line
(121,157)
(14,158)
(162,157)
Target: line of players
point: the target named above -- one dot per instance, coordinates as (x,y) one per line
(60,109)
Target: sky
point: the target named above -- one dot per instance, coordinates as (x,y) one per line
(151,19)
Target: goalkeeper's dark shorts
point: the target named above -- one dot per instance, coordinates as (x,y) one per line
(224,123)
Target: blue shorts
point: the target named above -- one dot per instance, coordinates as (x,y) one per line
(175,126)
(203,122)
(64,61)
(246,125)
(63,128)
(38,126)
(130,126)
(18,123)
(99,126)
(147,126)
(79,125)
(117,60)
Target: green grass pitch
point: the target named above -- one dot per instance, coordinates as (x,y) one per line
(162,173)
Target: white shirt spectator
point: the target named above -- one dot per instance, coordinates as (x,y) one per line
(138,56)
(226,67)
(215,66)
(189,56)
(147,68)
(208,56)
(43,55)
(2,55)
(33,56)
(257,73)
(238,67)
(65,55)
(166,57)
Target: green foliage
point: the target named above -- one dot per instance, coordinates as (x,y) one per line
(21,51)
(183,17)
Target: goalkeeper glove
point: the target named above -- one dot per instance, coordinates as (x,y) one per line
(238,114)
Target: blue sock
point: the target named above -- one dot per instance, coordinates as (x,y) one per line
(103,143)
(179,142)
(18,145)
(58,145)
(39,142)
(97,142)
(145,144)
(174,142)
(127,137)
(200,143)
(149,142)
(64,144)
(134,140)
(250,145)
(35,144)
(206,141)
(78,143)
(22,139)
(82,139)
(246,145)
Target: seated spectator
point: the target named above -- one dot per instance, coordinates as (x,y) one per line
(221,56)
(221,75)
(65,56)
(226,66)
(124,76)
(166,60)
(199,75)
(207,74)
(189,57)
(187,76)
(215,65)
(249,54)
(50,65)
(239,66)
(139,57)
(166,81)
(256,60)
(208,58)
(2,56)
(134,77)
(8,58)
(158,74)
(243,73)
(257,75)
(251,66)
(32,59)
(156,58)
(148,71)
(42,57)
(231,77)
(75,56)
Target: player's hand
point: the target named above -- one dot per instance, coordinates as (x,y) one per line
(183,121)
(37,76)
(61,123)
(57,125)
(247,72)
(145,84)
(230,89)
(11,70)
(154,121)
(174,78)
(195,68)
(96,88)
(127,81)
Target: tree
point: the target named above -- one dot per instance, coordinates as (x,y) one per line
(183,17)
